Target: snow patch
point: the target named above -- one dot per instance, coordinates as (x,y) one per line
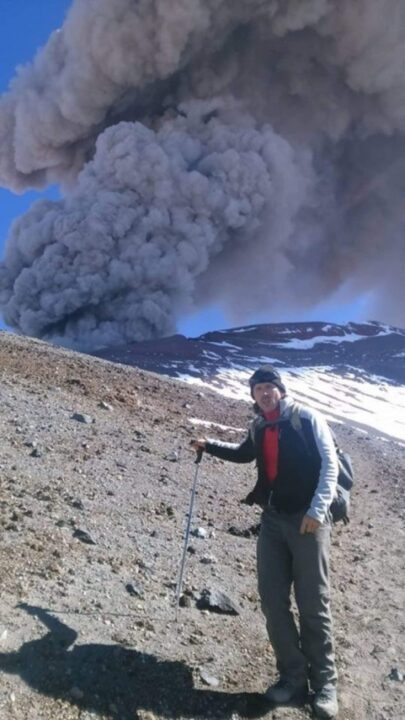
(298,344)
(211,423)
(367,402)
(223,343)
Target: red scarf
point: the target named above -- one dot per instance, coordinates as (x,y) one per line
(270,446)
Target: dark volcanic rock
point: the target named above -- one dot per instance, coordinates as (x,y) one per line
(84,537)
(249,532)
(133,590)
(217,601)
(82,418)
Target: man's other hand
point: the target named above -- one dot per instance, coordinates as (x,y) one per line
(309,525)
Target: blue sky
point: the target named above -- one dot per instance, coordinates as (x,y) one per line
(25,26)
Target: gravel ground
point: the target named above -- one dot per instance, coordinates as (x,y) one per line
(95,485)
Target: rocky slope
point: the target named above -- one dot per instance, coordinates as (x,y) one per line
(95,484)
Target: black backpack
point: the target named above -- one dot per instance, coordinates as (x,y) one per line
(341,503)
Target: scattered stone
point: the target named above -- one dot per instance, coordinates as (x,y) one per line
(208,560)
(43,496)
(82,418)
(199,533)
(76,693)
(184,600)
(164,509)
(191,549)
(217,601)
(105,405)
(173,456)
(61,523)
(77,504)
(251,531)
(145,715)
(36,453)
(133,590)
(396,675)
(83,536)
(195,639)
(208,679)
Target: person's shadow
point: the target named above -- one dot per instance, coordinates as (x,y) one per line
(116,681)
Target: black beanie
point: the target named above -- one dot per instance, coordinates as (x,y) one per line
(267,374)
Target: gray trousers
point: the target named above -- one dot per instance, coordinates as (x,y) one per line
(286,558)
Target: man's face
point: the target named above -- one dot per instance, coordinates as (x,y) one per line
(267,396)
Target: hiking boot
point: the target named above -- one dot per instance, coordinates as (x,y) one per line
(325,702)
(284,691)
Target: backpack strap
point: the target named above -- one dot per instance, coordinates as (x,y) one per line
(295,419)
(254,425)
(296,424)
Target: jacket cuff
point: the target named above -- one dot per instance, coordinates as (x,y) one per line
(317,515)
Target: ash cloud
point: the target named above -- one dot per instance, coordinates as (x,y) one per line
(242,151)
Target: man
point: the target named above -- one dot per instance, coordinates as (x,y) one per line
(297,477)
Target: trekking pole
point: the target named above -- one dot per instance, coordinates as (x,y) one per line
(200,452)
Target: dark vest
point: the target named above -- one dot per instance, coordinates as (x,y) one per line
(298,469)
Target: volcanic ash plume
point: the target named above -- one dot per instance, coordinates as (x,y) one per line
(248,152)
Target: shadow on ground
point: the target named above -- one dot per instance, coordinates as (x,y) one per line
(116,681)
